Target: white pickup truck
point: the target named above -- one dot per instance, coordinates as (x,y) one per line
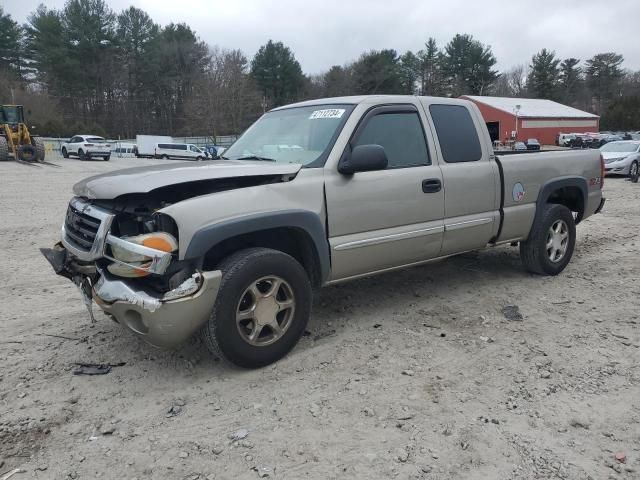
(312,194)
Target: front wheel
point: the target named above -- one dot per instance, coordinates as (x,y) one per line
(262,308)
(38,144)
(633,172)
(107,158)
(551,241)
(27,153)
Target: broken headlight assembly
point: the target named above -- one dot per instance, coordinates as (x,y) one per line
(140,255)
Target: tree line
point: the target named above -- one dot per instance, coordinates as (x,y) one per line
(85,67)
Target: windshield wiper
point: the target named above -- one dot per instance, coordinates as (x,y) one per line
(256,157)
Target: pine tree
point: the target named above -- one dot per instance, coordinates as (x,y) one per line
(277,73)
(544,75)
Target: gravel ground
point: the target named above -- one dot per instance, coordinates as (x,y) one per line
(416,374)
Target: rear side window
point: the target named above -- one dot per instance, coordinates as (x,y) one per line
(401,135)
(457,133)
(163,145)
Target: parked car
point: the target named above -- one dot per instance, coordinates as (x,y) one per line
(564,139)
(607,138)
(621,157)
(533,144)
(86,147)
(184,151)
(233,248)
(519,146)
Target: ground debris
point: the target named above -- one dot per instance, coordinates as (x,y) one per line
(512,313)
(238,435)
(13,472)
(95,368)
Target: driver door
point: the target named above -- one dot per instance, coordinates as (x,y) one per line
(388,218)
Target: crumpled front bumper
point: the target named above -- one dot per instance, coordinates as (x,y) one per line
(160,320)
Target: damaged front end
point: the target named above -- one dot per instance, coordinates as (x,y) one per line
(124,258)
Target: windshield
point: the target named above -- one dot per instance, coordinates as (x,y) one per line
(619,147)
(301,135)
(10,115)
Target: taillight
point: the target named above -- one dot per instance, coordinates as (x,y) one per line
(601,171)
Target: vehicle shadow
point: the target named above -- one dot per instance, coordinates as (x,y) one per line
(395,290)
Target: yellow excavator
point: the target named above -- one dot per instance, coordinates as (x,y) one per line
(15,139)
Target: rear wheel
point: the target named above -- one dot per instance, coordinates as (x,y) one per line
(39,146)
(165,157)
(4,150)
(65,154)
(551,241)
(82,155)
(107,158)
(261,310)
(633,172)
(27,153)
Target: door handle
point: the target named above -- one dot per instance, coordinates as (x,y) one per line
(431,185)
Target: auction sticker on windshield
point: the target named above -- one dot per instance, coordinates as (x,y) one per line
(327,113)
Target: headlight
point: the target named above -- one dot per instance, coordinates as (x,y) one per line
(130,261)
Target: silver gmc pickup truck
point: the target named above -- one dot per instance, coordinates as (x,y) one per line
(312,194)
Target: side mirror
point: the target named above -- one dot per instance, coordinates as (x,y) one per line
(363,158)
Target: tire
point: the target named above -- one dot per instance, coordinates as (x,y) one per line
(229,338)
(83,155)
(4,150)
(65,154)
(27,153)
(633,172)
(199,159)
(165,157)
(542,244)
(107,158)
(39,146)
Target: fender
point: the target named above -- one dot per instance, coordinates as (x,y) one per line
(209,236)
(557,183)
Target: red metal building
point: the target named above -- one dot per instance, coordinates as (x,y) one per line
(524,118)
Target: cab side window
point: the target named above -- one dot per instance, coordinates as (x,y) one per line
(456,132)
(401,135)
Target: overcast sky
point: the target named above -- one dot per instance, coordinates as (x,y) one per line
(322,33)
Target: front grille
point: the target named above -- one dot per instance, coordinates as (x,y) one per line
(80,229)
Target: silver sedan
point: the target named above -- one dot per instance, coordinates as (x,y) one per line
(621,158)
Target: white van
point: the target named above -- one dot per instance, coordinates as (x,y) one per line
(179,150)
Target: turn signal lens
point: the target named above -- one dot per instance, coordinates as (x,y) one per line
(158,241)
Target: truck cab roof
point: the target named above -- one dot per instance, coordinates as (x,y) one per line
(373,99)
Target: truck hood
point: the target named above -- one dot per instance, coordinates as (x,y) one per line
(145,179)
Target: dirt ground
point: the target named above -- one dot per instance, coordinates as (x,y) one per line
(416,374)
